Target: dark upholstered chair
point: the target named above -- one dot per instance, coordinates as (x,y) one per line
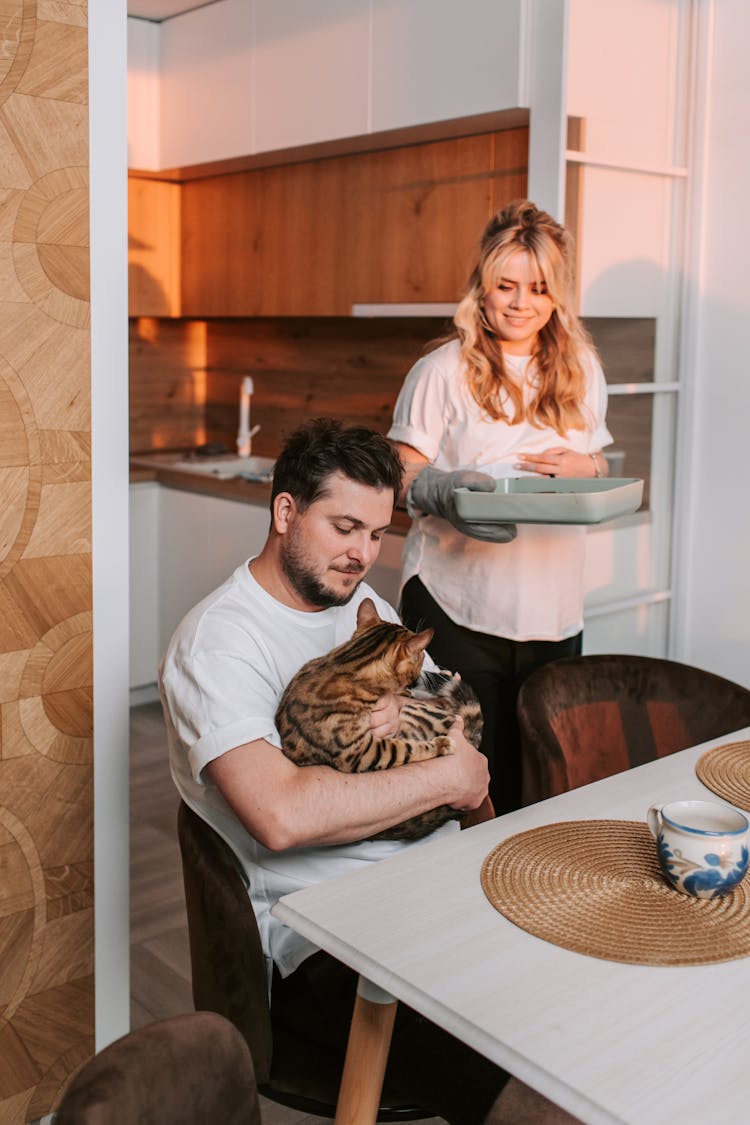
(229,977)
(586,717)
(188,1070)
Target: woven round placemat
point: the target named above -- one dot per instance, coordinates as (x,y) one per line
(594,886)
(725,770)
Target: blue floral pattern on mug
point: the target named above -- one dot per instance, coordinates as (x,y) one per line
(716,878)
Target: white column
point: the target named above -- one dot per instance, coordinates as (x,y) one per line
(544,90)
(109,421)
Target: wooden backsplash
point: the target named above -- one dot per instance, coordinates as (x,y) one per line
(185,375)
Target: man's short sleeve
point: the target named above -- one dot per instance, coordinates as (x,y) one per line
(218,700)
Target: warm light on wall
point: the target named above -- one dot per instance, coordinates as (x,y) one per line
(196,341)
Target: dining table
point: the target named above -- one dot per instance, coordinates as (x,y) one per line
(608,1040)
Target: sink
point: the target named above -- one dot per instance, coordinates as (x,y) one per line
(224,468)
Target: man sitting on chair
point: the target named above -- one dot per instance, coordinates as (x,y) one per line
(221,680)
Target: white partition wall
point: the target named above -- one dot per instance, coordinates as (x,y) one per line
(630,77)
(711,625)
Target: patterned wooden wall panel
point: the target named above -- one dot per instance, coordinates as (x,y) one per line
(46,792)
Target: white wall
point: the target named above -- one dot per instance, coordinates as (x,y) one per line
(714,602)
(623,73)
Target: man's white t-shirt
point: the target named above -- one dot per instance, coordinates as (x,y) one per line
(221,681)
(533,587)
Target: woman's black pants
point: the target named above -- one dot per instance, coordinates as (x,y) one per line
(495,668)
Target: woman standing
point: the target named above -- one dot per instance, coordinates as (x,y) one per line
(517,388)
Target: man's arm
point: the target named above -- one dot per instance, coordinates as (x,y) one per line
(283,805)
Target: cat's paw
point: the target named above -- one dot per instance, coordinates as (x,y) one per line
(443,746)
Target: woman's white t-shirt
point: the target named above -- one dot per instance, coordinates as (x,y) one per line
(531,588)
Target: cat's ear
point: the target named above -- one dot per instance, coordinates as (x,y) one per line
(419,641)
(367,614)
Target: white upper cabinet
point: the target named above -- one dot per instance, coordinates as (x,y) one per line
(239,77)
(311,67)
(207,84)
(143,94)
(433,60)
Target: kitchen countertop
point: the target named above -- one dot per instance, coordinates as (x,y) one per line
(162,468)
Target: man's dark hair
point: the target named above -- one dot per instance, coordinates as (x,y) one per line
(324,446)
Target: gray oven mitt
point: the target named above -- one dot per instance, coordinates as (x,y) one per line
(432,492)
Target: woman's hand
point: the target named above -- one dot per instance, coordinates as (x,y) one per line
(561,462)
(384,715)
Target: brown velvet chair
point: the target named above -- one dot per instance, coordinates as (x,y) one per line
(586,717)
(193,1069)
(229,977)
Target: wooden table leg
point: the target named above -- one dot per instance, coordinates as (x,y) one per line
(366,1055)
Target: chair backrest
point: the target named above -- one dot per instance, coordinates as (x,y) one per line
(229,977)
(186,1070)
(226,955)
(586,717)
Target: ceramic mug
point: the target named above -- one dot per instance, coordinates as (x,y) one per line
(702,845)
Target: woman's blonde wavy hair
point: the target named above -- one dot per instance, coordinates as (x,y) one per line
(559,376)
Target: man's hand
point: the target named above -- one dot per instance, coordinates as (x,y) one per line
(384,715)
(472,774)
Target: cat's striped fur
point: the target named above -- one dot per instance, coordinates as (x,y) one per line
(324,714)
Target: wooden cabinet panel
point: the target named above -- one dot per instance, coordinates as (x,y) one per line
(316,237)
(153,247)
(222,239)
(307,238)
(421,210)
(510,161)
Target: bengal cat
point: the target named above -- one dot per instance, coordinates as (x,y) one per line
(324,714)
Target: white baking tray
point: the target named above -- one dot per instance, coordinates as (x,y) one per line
(551,500)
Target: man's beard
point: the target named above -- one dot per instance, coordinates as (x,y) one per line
(306,582)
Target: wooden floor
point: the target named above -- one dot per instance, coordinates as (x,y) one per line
(160,961)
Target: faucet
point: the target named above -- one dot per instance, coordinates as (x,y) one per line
(246,435)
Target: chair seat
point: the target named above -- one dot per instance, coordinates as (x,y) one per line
(186,1070)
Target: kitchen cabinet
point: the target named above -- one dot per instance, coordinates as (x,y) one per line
(145,639)
(182,546)
(434,61)
(316,237)
(243,77)
(153,247)
(311,72)
(206,83)
(418,212)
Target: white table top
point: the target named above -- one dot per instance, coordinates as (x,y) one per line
(609,1042)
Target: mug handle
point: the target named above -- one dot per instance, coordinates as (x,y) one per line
(654,821)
